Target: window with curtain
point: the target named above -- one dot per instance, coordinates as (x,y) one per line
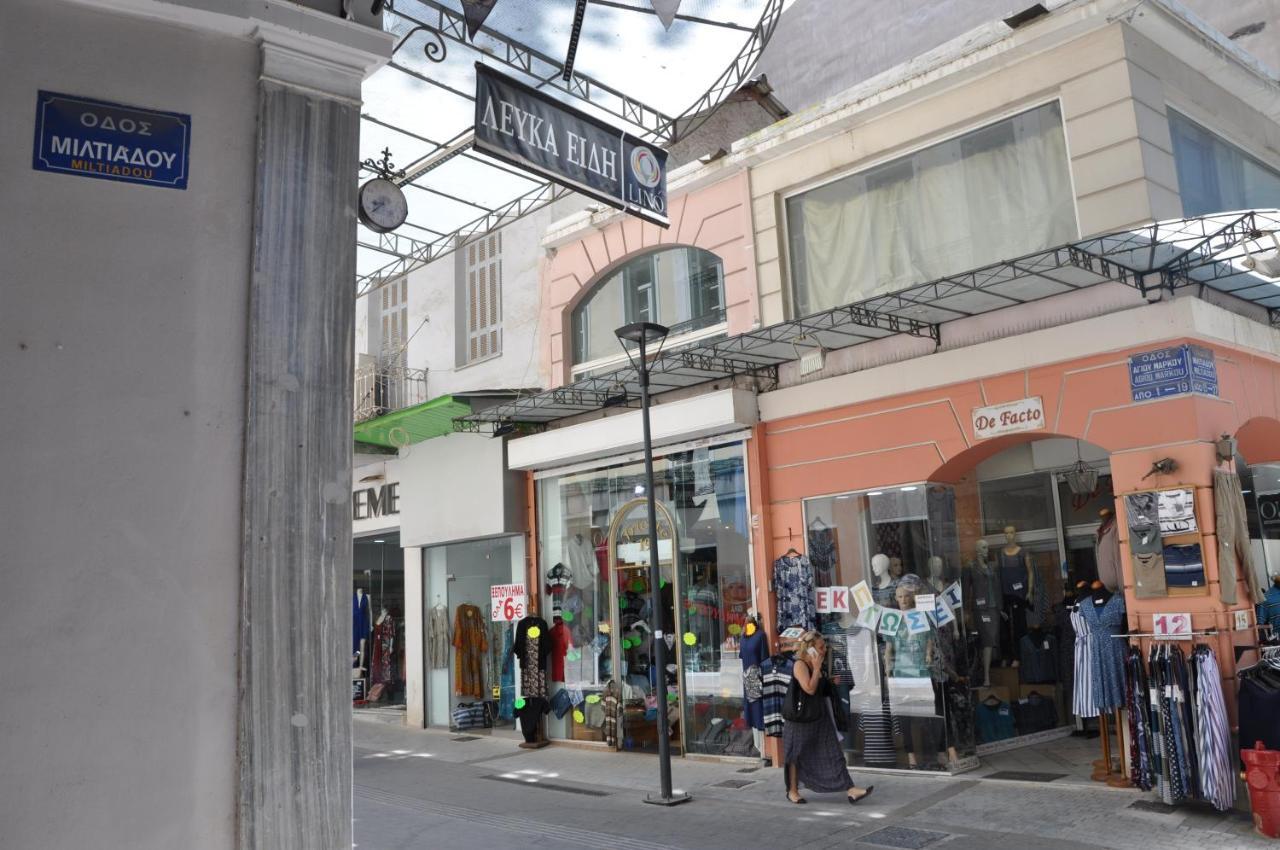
(682,288)
(992,194)
(1215,175)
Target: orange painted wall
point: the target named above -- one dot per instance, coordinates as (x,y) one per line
(928,436)
(716,218)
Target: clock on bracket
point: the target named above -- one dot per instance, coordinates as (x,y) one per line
(383,207)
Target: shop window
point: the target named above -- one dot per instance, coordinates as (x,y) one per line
(682,288)
(472,682)
(997,192)
(378,604)
(1024,502)
(902,542)
(1215,175)
(594,551)
(1083,509)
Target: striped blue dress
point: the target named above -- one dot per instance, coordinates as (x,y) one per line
(1213,735)
(1082,702)
(1106,652)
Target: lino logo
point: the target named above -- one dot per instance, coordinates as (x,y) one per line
(645,167)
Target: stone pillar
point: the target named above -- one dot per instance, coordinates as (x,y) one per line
(294,727)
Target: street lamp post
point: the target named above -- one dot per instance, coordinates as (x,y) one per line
(645,334)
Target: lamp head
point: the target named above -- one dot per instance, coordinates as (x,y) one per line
(648,332)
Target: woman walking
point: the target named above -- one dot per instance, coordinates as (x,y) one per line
(811,752)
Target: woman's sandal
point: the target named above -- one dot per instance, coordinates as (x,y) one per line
(853,801)
(800,802)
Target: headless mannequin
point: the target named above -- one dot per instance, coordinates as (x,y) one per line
(936,579)
(1018,583)
(882,581)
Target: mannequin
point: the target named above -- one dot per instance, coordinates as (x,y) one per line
(1017,583)
(1107,551)
(985,599)
(895,568)
(911,656)
(882,581)
(753,649)
(936,579)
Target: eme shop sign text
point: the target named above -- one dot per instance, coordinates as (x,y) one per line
(111,141)
(1023,415)
(525,127)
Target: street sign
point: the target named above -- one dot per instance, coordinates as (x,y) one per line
(1173,371)
(531,130)
(507,602)
(110,141)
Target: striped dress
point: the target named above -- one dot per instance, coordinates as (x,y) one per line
(1213,736)
(1082,701)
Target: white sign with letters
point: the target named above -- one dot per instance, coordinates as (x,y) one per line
(1023,415)
(831,600)
(1171,626)
(507,602)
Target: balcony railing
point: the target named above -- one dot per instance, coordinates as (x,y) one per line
(381,389)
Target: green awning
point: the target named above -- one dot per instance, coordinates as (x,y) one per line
(413,424)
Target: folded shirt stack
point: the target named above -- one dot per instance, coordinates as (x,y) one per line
(1184,566)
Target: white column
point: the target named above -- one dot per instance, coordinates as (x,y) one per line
(414,640)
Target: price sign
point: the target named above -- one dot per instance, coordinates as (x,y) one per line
(507,602)
(1171,626)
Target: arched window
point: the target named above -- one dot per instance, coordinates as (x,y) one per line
(682,288)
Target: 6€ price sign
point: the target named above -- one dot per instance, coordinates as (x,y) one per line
(506,602)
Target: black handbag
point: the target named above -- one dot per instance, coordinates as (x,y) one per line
(802,706)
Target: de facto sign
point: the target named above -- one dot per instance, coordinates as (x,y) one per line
(110,141)
(1023,415)
(523,126)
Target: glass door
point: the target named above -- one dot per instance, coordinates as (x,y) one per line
(647,694)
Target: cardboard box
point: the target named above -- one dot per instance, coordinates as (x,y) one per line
(1000,692)
(1006,677)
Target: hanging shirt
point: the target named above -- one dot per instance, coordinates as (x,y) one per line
(1038,654)
(793,584)
(775,679)
(1269,610)
(994,722)
(561,642)
(1107,556)
(438,637)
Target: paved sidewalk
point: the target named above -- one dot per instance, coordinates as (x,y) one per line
(428,789)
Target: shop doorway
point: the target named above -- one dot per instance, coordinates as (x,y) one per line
(378,671)
(632,598)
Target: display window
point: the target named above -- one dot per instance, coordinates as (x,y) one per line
(899,660)
(594,557)
(377,630)
(471,670)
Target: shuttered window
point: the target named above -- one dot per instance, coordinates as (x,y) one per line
(484,297)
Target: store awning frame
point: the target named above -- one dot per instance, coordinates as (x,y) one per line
(1169,257)
(430,31)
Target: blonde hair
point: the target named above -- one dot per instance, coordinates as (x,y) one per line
(805,642)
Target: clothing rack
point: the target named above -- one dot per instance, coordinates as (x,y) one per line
(1188,636)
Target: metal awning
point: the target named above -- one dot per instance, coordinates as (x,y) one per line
(420,107)
(413,424)
(1171,256)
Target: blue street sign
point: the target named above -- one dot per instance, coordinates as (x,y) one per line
(1173,371)
(110,141)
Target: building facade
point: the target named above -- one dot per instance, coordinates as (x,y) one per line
(940,289)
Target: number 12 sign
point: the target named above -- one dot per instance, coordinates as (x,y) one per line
(507,602)
(1171,626)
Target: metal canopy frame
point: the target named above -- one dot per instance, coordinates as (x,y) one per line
(1162,258)
(430,30)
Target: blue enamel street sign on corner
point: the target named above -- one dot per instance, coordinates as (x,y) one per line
(110,141)
(1173,371)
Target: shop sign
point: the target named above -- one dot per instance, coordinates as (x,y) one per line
(999,419)
(1171,626)
(507,602)
(1173,371)
(373,502)
(926,602)
(832,600)
(111,141)
(527,128)
(862,595)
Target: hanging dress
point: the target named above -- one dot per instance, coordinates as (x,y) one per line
(1106,652)
(1082,701)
